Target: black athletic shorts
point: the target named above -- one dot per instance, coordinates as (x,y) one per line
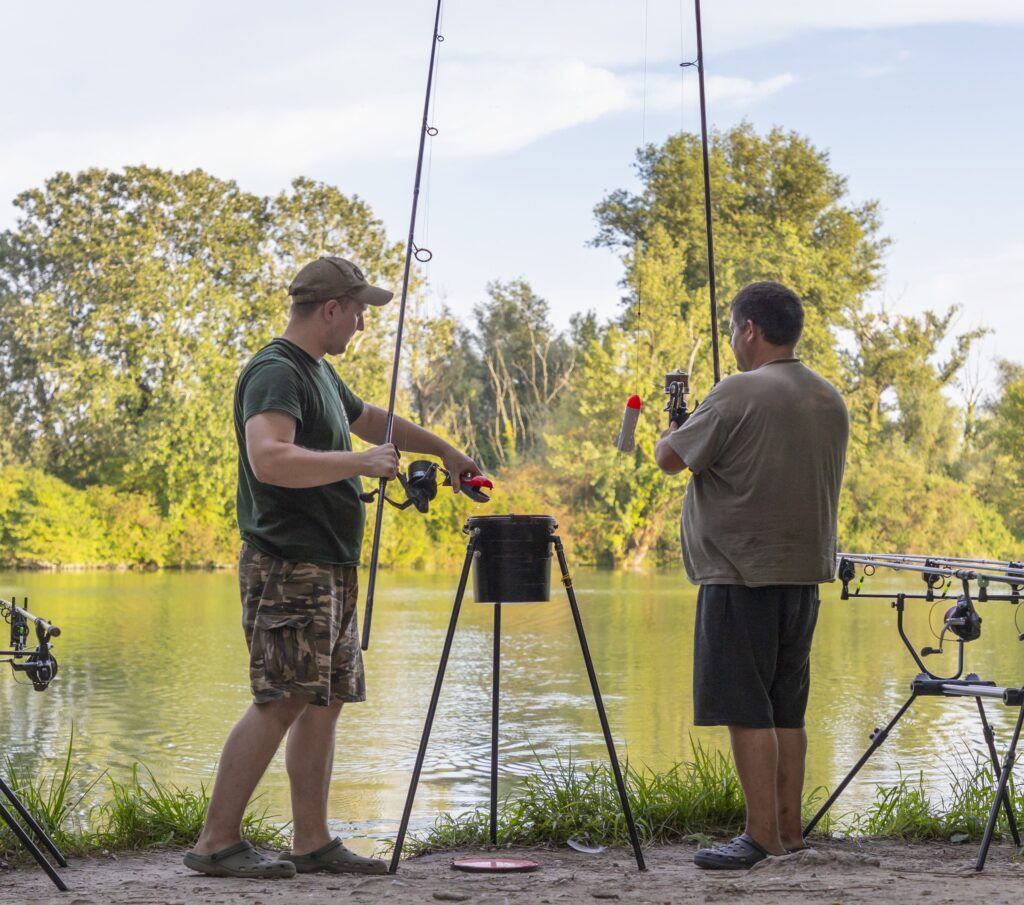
(752,655)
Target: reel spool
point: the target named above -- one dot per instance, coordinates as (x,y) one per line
(420,485)
(677,388)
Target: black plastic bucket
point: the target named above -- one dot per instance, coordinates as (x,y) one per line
(512,563)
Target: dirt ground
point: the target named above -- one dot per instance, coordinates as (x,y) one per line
(847,872)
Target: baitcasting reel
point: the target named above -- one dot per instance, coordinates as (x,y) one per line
(40,665)
(677,388)
(420,485)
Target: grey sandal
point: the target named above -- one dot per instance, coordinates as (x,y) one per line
(242,861)
(336,859)
(740,854)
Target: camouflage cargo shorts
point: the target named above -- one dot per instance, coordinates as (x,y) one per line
(300,626)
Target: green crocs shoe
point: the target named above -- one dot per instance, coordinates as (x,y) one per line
(241,861)
(336,859)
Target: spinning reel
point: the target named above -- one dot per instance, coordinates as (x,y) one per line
(677,388)
(420,485)
(39,665)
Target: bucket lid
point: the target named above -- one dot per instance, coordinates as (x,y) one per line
(494,865)
(479,521)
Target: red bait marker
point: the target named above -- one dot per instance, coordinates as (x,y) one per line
(625,441)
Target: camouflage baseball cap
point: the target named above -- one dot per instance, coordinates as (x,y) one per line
(335,278)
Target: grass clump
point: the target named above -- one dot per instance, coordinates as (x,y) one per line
(696,798)
(138,813)
(906,811)
(144,813)
(700,799)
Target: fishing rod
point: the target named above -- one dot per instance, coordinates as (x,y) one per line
(677,382)
(932,569)
(1000,565)
(422,255)
(707,195)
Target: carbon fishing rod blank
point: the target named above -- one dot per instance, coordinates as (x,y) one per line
(626,441)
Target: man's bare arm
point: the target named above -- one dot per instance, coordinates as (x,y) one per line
(371,426)
(665,456)
(275,459)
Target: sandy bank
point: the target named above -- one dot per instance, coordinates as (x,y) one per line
(845,872)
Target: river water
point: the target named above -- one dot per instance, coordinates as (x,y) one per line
(153,669)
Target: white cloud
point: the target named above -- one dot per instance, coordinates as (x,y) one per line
(501,108)
(987,288)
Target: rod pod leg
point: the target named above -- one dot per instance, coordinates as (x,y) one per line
(609,742)
(878,737)
(1004,777)
(432,710)
(33,825)
(33,849)
(990,740)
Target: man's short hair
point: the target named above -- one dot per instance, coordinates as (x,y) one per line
(776,309)
(303,310)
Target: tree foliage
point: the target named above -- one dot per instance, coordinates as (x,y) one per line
(130,300)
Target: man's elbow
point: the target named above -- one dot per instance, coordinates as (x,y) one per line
(667,459)
(263,466)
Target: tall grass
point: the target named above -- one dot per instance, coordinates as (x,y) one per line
(695,800)
(137,813)
(700,799)
(905,810)
(692,801)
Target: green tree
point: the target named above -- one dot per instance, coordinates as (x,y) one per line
(129,302)
(996,455)
(780,212)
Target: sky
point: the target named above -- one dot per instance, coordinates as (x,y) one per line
(540,107)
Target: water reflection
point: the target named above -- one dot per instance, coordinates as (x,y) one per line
(153,668)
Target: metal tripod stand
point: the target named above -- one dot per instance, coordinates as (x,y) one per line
(928,685)
(26,840)
(495,688)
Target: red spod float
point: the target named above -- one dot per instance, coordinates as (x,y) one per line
(626,439)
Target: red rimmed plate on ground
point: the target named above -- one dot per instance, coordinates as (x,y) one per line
(494,865)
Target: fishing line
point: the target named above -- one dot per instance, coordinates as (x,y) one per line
(636,250)
(626,440)
(426,292)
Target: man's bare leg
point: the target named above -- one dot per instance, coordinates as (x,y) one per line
(792,744)
(756,754)
(250,747)
(309,756)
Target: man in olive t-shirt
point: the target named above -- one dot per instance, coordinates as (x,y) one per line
(767,449)
(301,520)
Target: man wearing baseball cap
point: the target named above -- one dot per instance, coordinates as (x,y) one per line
(301,520)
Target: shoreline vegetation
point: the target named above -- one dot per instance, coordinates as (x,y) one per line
(696,800)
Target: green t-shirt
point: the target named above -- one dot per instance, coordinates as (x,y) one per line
(310,524)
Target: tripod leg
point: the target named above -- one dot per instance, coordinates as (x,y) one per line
(425,738)
(878,737)
(26,840)
(32,824)
(609,742)
(1004,777)
(991,742)
(495,687)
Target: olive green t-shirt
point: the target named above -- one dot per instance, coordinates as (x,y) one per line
(310,524)
(767,449)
